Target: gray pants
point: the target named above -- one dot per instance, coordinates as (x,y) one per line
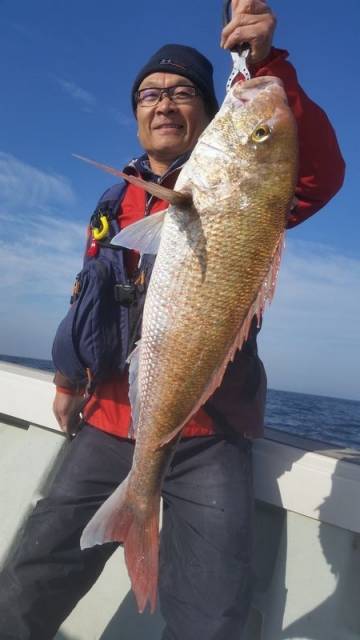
(205,549)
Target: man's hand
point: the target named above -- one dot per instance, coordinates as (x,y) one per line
(253,22)
(67,412)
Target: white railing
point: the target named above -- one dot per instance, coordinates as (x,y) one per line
(286,474)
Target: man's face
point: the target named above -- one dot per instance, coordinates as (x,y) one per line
(167,130)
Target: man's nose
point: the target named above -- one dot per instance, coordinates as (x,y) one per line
(166,105)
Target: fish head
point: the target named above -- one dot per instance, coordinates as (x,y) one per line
(262,120)
(249,148)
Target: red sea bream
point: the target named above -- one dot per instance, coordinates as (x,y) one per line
(218,249)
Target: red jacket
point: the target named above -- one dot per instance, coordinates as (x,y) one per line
(321,165)
(321,174)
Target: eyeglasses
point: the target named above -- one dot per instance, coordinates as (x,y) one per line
(180,94)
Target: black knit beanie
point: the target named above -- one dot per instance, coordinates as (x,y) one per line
(183,61)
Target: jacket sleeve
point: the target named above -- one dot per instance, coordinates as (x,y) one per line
(64,337)
(321,165)
(62,383)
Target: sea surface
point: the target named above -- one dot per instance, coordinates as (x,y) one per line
(331,420)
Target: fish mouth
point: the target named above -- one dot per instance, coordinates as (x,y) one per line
(246,91)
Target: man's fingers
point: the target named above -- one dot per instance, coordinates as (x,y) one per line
(245,34)
(67,410)
(248,30)
(256,29)
(63,423)
(240,21)
(69,424)
(57,416)
(249,6)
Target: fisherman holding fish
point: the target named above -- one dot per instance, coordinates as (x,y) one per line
(211,197)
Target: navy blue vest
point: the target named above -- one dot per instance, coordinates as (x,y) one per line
(103,323)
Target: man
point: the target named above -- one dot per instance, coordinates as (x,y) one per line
(205,582)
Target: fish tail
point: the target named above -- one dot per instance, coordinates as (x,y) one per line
(124,519)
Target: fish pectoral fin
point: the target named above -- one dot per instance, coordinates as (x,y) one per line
(181,199)
(143,236)
(122,519)
(178,198)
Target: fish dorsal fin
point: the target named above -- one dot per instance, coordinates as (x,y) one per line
(177,198)
(144,235)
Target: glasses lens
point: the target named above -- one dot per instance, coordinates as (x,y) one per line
(148,96)
(179,93)
(183,93)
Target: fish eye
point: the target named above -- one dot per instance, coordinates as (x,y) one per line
(261,133)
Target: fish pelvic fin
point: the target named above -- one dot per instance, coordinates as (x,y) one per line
(143,236)
(177,198)
(134,390)
(123,518)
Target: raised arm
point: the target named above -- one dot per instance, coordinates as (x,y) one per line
(321,165)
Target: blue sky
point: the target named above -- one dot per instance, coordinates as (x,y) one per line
(66,70)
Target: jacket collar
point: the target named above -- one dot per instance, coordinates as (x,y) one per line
(140,166)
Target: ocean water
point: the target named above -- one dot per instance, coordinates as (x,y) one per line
(331,420)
